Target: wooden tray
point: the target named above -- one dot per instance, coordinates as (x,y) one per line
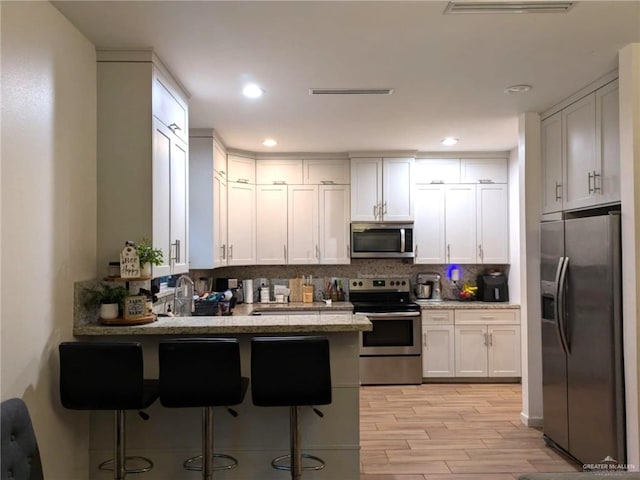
(133,321)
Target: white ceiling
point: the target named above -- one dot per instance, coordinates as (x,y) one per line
(448,71)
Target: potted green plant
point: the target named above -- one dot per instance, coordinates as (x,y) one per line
(109,299)
(148,256)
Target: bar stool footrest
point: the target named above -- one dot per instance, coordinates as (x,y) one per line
(108,465)
(188,464)
(275,463)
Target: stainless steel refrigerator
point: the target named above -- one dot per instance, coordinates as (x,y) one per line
(582,358)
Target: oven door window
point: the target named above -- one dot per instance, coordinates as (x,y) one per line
(377,240)
(389,333)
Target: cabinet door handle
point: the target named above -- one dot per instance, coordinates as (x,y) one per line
(318,252)
(176,257)
(174,126)
(485,340)
(424,341)
(222,172)
(596,188)
(491,339)
(384,208)
(285,253)
(416,253)
(590,176)
(348,250)
(375,211)
(224,252)
(448,253)
(230,252)
(558,189)
(480,253)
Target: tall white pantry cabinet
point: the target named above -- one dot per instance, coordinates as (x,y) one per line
(143,159)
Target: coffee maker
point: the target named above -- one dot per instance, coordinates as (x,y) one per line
(428,287)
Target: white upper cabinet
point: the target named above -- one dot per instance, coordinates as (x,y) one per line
(241,169)
(170,107)
(492,223)
(207,202)
(271,224)
(581,153)
(334,224)
(303,246)
(326,172)
(608,143)
(552,188)
(279,172)
(460,223)
(429,226)
(579,124)
(382,189)
(483,170)
(241,223)
(436,170)
(366,189)
(142,161)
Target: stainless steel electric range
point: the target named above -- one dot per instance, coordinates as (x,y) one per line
(391,353)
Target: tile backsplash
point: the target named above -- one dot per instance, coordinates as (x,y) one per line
(279,274)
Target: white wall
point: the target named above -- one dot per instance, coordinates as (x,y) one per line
(629,75)
(529,158)
(48,215)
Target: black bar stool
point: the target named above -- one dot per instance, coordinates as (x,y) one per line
(107,376)
(202,373)
(291,372)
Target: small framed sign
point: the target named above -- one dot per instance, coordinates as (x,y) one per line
(135,307)
(129,262)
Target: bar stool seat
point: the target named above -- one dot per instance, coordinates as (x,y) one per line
(107,376)
(202,372)
(291,372)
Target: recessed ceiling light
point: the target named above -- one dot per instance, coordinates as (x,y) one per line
(269,142)
(518,89)
(252,91)
(449,141)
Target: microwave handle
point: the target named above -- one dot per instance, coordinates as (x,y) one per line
(403,242)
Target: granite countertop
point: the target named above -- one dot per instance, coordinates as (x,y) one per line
(236,324)
(464,305)
(248,308)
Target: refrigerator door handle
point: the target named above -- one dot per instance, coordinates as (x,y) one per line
(562,320)
(556,300)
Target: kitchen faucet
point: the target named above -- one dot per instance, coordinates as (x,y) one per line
(183,296)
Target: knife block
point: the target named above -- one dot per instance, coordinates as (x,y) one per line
(307,294)
(295,287)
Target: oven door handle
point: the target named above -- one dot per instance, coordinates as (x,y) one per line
(390,314)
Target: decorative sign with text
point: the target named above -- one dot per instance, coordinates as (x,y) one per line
(135,307)
(129,262)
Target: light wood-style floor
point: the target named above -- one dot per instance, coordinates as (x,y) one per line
(450,432)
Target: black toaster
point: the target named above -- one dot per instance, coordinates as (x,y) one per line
(493,287)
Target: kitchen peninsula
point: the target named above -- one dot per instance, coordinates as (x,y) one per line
(256,435)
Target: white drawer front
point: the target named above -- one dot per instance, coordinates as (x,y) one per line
(486,317)
(437,317)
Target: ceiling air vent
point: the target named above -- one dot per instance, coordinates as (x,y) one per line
(350,91)
(508,7)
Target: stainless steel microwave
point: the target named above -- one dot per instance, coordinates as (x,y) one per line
(382,240)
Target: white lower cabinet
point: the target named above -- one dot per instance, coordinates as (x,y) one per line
(471,343)
(487,343)
(438,359)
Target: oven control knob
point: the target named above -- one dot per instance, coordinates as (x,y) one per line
(359,284)
(404,283)
(392,282)
(355,283)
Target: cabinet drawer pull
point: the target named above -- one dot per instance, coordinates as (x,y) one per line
(243,180)
(279,182)
(485,180)
(439,317)
(437,182)
(174,126)
(488,317)
(327,182)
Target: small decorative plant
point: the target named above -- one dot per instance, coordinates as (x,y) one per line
(148,254)
(103,295)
